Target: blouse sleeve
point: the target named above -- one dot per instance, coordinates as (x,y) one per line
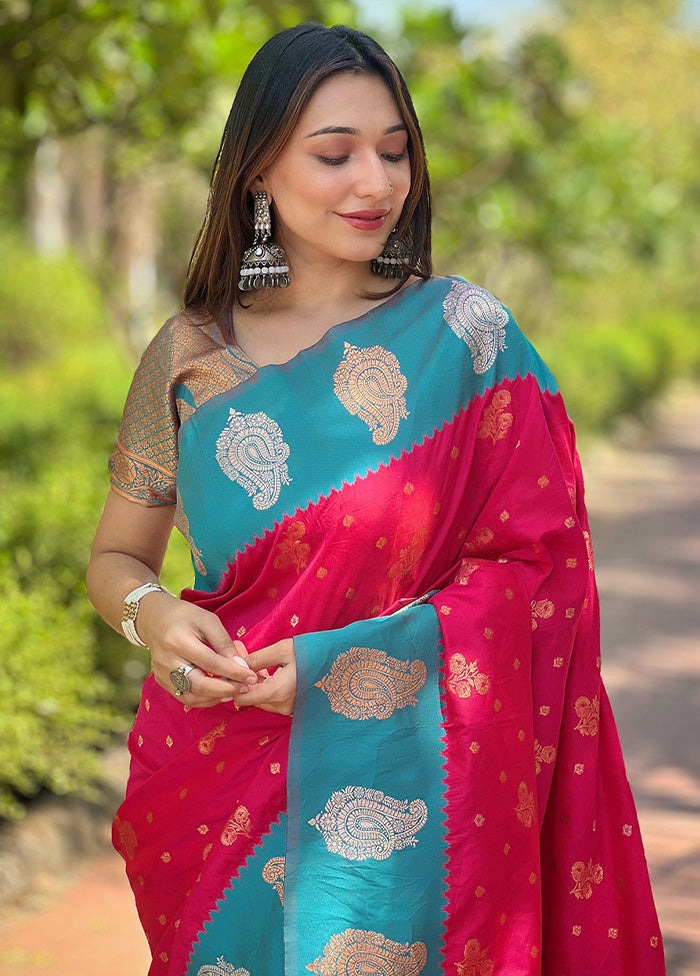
(143,467)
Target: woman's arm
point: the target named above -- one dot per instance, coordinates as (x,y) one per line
(128,551)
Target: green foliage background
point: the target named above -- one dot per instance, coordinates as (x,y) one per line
(564,170)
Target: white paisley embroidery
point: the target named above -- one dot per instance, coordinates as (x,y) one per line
(479,319)
(222,968)
(361,823)
(252,452)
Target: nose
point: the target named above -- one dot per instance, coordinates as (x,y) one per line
(372,179)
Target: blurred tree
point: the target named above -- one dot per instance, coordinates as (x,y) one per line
(155,79)
(643,72)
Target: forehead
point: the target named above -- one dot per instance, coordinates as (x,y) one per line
(360,101)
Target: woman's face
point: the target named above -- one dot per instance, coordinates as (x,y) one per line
(331,186)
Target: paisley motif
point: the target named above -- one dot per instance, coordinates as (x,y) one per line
(252,452)
(356,952)
(370,385)
(479,320)
(361,823)
(366,683)
(273,873)
(222,968)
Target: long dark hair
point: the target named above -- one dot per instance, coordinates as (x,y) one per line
(275,90)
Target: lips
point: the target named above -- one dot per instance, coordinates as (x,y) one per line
(365,219)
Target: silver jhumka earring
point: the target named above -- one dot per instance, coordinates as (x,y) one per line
(394,260)
(264,265)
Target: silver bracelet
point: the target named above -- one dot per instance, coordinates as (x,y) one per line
(131,609)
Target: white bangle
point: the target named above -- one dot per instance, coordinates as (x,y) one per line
(131,609)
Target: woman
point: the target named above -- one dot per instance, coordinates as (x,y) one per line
(375,738)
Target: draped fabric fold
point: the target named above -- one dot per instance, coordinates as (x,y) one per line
(404,499)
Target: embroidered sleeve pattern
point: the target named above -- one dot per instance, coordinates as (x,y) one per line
(144,465)
(186,364)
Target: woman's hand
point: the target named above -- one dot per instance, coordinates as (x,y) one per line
(273,692)
(179,633)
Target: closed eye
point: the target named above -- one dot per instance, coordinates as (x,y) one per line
(333,160)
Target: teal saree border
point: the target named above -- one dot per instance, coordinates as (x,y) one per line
(333,886)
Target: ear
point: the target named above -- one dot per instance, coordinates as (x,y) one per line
(258,185)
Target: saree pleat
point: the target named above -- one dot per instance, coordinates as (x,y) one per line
(404,500)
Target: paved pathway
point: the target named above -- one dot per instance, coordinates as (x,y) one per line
(645,506)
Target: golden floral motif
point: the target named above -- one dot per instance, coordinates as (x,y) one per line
(273,874)
(222,968)
(465,678)
(542,610)
(370,385)
(588,713)
(585,876)
(206,743)
(466,570)
(525,810)
(127,837)
(544,754)
(359,823)
(366,683)
(477,318)
(251,451)
(483,538)
(496,420)
(356,951)
(292,551)
(238,823)
(476,961)
(410,556)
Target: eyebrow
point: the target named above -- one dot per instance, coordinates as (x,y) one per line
(346,130)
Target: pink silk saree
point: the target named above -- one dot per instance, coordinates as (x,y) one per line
(404,499)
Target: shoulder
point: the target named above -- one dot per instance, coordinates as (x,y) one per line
(489,332)
(186,334)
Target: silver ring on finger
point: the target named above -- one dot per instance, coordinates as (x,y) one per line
(180,679)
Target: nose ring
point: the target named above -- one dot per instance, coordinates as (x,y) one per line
(391,188)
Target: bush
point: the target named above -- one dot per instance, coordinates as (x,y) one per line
(56,707)
(607,369)
(68,681)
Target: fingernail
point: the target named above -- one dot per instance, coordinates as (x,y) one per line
(225,700)
(239,660)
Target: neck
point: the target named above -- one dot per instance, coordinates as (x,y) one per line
(315,285)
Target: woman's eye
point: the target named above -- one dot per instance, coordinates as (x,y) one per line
(395,157)
(332,160)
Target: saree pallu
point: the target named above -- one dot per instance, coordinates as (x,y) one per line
(404,499)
